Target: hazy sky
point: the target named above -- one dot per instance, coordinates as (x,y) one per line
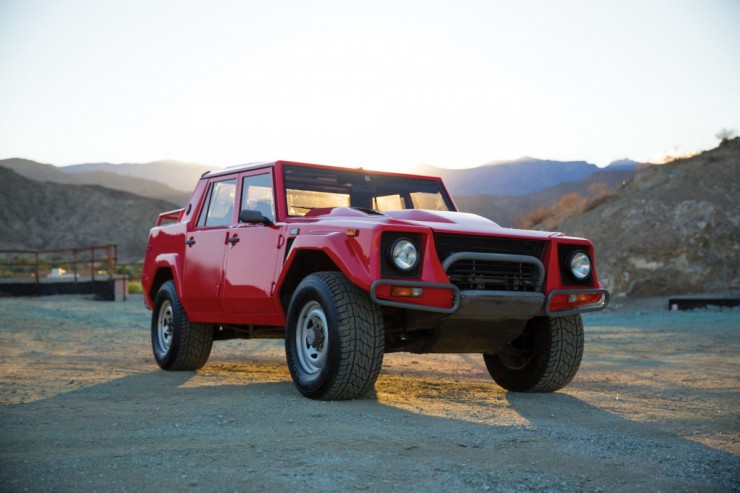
(384,84)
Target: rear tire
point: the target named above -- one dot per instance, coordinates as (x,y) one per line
(544,358)
(334,338)
(178,343)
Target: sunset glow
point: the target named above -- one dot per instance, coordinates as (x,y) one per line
(382,84)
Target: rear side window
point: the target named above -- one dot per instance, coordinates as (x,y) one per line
(218,210)
(257,195)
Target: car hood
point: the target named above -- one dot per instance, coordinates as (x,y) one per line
(437,221)
(462,223)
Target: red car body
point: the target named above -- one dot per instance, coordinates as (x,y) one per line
(474,285)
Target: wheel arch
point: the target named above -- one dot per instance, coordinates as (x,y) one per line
(303,262)
(161,276)
(163,269)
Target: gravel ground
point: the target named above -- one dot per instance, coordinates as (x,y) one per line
(84,407)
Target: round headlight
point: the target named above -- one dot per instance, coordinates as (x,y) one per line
(403,254)
(580,265)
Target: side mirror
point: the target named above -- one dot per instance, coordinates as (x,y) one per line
(254,217)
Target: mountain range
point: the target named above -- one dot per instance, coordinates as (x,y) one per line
(525,183)
(508,210)
(175,174)
(510,178)
(667,229)
(106,176)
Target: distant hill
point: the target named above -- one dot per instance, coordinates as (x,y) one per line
(520,177)
(139,186)
(672,229)
(44,215)
(506,210)
(625,164)
(176,174)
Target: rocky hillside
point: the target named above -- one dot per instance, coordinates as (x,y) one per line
(672,229)
(42,215)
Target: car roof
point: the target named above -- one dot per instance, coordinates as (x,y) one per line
(250,166)
(237,168)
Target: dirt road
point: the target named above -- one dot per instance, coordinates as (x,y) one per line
(83,407)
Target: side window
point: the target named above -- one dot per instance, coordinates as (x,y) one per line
(257,195)
(388,203)
(429,201)
(219,207)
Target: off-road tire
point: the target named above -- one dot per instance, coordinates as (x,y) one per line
(334,338)
(544,358)
(178,343)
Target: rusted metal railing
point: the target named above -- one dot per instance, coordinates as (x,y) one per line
(61,265)
(81,262)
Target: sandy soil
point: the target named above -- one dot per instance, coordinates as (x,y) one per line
(83,406)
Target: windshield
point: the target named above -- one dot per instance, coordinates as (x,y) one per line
(312,188)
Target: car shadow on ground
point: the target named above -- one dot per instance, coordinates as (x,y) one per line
(175,428)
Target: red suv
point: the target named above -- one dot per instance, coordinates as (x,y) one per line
(348,264)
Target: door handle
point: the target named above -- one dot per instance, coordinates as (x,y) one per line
(190,242)
(233,239)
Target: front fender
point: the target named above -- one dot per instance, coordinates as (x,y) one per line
(348,253)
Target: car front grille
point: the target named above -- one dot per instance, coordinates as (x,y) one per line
(492,264)
(494,275)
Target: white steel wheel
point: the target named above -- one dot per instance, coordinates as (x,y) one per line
(178,343)
(334,338)
(165,321)
(312,338)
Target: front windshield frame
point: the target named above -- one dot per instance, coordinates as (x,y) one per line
(307,188)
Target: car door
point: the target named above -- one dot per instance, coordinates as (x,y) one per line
(252,252)
(205,247)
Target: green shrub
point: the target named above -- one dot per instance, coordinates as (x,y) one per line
(134,287)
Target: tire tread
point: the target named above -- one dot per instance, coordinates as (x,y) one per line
(192,344)
(361,338)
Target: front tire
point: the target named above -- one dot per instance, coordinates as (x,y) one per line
(178,343)
(334,338)
(544,358)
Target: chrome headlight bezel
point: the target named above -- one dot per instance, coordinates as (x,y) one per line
(579,264)
(403,254)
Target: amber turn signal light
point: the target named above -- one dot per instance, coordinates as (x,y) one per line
(406,291)
(584,298)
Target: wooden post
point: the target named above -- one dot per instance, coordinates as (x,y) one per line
(111,256)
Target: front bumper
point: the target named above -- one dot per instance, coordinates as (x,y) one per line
(477,305)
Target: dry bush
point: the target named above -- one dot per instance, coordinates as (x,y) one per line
(571,203)
(533,217)
(552,215)
(725,135)
(549,216)
(598,193)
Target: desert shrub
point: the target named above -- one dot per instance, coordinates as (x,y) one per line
(134,287)
(725,135)
(133,271)
(598,193)
(533,217)
(571,203)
